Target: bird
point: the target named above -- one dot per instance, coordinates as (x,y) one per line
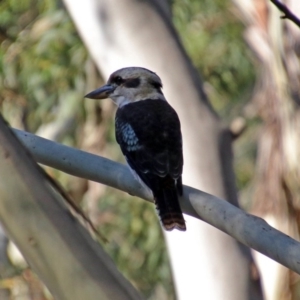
(148,131)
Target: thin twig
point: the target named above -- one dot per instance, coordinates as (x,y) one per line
(287,14)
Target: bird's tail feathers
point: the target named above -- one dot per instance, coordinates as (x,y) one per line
(167,205)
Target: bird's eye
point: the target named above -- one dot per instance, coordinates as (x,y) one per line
(118,80)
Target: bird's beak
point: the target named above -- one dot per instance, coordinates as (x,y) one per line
(101,93)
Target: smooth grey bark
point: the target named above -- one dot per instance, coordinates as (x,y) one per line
(140,33)
(54,243)
(246,228)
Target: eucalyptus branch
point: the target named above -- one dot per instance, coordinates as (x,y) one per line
(247,229)
(54,243)
(287,14)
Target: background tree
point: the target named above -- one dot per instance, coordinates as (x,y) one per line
(275,102)
(111,37)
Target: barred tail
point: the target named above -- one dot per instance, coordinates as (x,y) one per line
(167,205)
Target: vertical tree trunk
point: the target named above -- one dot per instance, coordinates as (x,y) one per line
(276,99)
(206,263)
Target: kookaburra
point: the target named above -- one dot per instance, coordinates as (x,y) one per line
(148,132)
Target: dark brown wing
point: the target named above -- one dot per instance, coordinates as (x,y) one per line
(149,135)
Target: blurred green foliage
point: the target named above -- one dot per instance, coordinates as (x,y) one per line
(41,60)
(137,245)
(212,36)
(44,73)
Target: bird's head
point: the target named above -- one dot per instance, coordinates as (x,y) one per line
(130,85)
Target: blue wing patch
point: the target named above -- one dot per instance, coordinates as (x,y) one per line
(129,137)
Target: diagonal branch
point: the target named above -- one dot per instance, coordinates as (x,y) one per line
(287,14)
(53,242)
(247,229)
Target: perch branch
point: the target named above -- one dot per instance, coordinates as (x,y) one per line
(247,229)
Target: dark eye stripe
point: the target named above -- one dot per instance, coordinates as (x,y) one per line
(132,83)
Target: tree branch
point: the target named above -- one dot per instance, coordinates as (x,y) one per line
(247,229)
(287,14)
(53,242)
